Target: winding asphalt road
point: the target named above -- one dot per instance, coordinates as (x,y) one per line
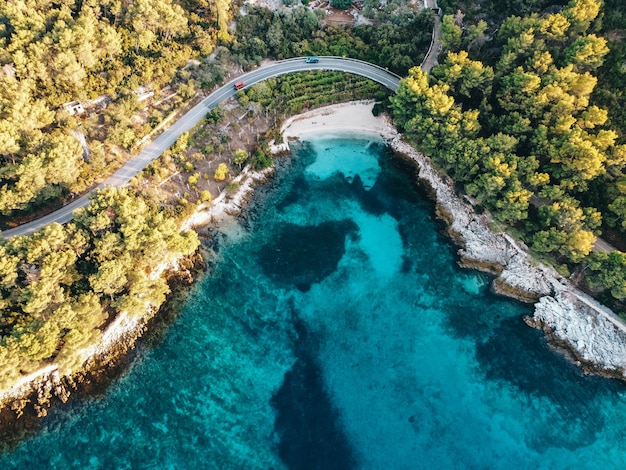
(435,44)
(185,123)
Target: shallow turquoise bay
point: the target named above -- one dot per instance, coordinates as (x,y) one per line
(336,331)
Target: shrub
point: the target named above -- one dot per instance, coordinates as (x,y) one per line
(261,160)
(232,187)
(205,196)
(193,180)
(241,156)
(221,172)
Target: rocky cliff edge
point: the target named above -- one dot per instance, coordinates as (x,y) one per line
(570,318)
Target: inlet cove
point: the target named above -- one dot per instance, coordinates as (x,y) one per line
(334,329)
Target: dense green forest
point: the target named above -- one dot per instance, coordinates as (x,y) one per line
(54,52)
(293,93)
(398,39)
(513,118)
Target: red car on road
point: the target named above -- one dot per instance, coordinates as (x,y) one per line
(239,85)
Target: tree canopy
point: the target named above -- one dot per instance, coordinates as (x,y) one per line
(523,135)
(398,39)
(60,286)
(53,53)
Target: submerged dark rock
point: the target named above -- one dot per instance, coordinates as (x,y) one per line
(310,436)
(301,256)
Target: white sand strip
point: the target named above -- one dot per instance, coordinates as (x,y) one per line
(352,116)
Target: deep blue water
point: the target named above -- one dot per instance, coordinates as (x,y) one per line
(335,332)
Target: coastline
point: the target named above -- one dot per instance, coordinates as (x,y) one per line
(570,319)
(22,405)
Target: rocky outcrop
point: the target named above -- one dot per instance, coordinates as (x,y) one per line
(595,336)
(571,319)
(226,203)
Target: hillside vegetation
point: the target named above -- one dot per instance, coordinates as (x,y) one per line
(523,133)
(55,52)
(59,287)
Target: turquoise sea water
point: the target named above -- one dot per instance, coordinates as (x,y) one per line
(335,331)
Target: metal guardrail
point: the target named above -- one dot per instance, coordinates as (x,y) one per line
(302,58)
(384,73)
(382,69)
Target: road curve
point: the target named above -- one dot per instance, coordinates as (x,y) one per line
(186,122)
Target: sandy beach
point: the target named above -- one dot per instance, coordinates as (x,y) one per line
(351,116)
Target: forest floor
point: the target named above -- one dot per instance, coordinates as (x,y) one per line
(210,145)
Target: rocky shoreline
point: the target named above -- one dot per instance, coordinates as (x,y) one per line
(572,320)
(591,332)
(22,405)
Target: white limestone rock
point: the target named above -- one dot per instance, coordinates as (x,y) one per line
(592,330)
(481,244)
(521,275)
